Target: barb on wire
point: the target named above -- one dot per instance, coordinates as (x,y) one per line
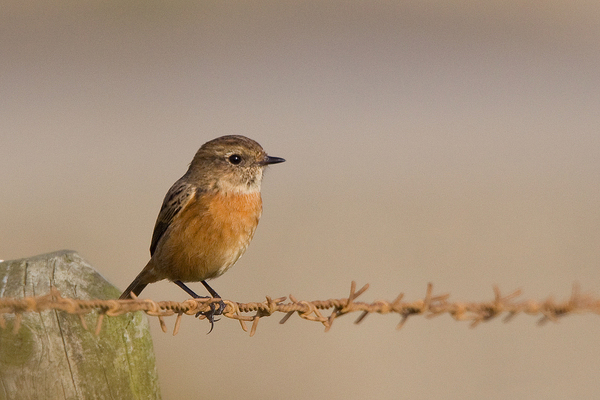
(430,306)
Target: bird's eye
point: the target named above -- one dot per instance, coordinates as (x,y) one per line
(235,159)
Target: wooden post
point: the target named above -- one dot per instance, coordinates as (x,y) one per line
(52,356)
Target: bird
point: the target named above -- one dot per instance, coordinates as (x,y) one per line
(208,217)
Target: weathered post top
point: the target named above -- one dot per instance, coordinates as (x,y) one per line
(52,356)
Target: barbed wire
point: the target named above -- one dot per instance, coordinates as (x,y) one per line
(429,306)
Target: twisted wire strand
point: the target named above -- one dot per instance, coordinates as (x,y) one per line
(429,306)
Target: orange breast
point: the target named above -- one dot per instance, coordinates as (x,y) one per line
(208,236)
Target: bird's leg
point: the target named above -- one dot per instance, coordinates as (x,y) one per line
(188,290)
(216,296)
(208,314)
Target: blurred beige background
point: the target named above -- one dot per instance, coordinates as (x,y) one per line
(426,141)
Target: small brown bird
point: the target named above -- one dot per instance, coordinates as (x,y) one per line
(208,217)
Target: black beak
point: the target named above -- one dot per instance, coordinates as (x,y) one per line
(271,160)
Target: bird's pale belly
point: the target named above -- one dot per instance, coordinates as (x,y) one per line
(207,240)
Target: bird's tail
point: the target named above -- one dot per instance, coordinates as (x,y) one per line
(135,287)
(140,282)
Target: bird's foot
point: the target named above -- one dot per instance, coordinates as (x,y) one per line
(215,309)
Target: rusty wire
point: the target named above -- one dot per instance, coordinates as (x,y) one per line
(430,306)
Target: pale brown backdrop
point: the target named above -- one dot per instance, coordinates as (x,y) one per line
(427,141)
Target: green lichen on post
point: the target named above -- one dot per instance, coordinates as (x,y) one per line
(16,349)
(53,349)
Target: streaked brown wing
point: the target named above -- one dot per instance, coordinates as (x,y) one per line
(176,198)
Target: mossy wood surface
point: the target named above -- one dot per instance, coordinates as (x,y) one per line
(53,357)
